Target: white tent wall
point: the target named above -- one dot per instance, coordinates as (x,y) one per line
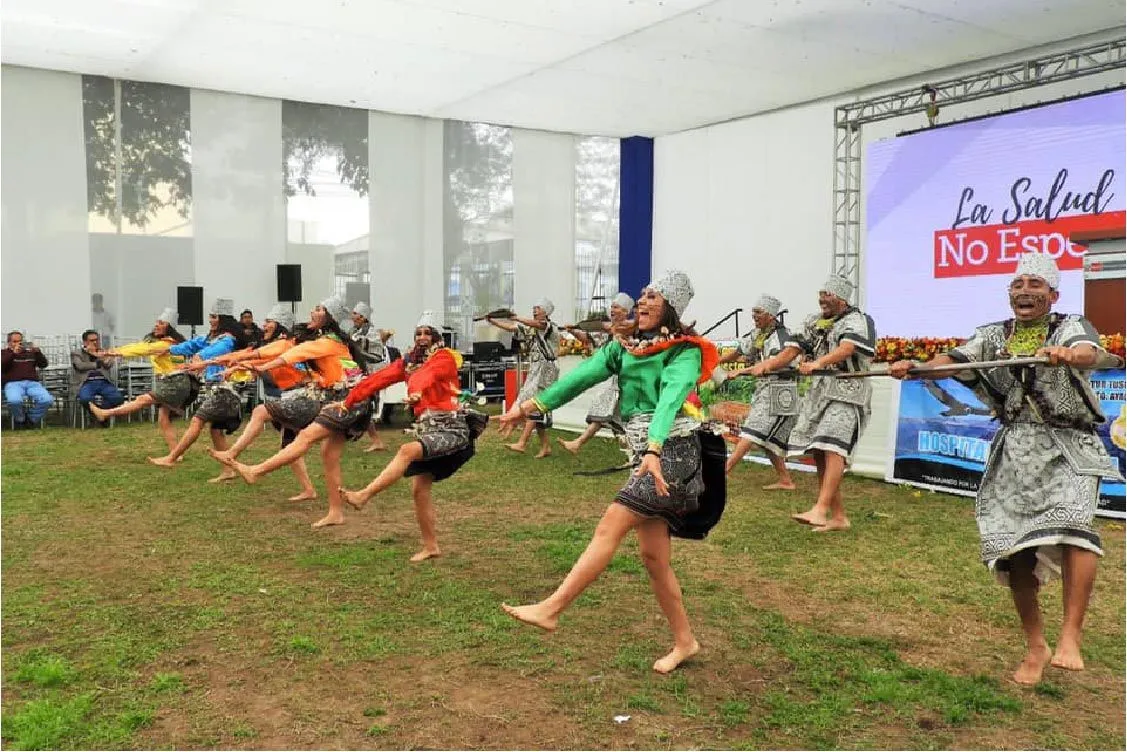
(238,213)
(235,233)
(46,249)
(544,221)
(402,179)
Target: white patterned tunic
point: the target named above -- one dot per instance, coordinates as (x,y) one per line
(835,411)
(774,405)
(604,400)
(543,349)
(1041,485)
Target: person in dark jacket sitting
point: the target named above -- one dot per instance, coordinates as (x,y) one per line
(18,366)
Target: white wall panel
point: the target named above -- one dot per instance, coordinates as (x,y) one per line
(397,147)
(238,212)
(544,221)
(46,253)
(745,209)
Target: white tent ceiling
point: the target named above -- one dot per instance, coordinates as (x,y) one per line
(613,67)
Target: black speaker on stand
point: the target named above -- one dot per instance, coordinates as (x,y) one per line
(189,307)
(289,285)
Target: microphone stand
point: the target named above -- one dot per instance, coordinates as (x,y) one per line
(735,313)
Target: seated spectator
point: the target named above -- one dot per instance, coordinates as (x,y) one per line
(20,378)
(251,333)
(90,375)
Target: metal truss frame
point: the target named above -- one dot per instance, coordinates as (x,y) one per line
(850,118)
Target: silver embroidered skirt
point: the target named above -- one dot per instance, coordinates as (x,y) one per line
(353,423)
(693,467)
(177,390)
(298,407)
(221,406)
(447,444)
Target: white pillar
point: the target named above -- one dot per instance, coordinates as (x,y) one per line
(238,211)
(405,252)
(46,258)
(544,221)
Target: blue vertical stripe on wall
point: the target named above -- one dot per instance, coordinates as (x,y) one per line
(636,214)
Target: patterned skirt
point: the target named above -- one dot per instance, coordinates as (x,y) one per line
(353,422)
(297,408)
(693,468)
(1034,497)
(765,429)
(447,444)
(604,405)
(827,425)
(221,406)
(541,375)
(177,390)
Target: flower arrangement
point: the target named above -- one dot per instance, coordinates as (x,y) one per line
(892,349)
(1113,343)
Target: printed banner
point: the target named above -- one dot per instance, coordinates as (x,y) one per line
(944,431)
(950,211)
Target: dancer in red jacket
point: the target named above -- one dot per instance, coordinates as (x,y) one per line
(444,432)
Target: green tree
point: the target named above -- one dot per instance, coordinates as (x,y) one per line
(156,165)
(311,132)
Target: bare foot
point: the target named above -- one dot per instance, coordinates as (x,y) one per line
(227,474)
(536,615)
(223,457)
(426,553)
(248,473)
(162,461)
(545,452)
(374,447)
(812,517)
(1033,665)
(676,657)
(518,447)
(329,519)
(780,486)
(832,525)
(571,446)
(1068,655)
(304,496)
(98,412)
(355,499)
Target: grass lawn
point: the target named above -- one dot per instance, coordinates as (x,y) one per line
(145,608)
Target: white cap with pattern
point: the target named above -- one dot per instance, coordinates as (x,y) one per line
(363,309)
(1039,265)
(545,304)
(430,319)
(168,316)
(676,288)
(281,314)
(769,304)
(622,300)
(839,286)
(223,307)
(336,308)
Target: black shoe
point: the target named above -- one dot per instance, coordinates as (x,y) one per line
(103,424)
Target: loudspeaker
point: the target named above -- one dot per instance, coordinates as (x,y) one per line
(189,306)
(289,283)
